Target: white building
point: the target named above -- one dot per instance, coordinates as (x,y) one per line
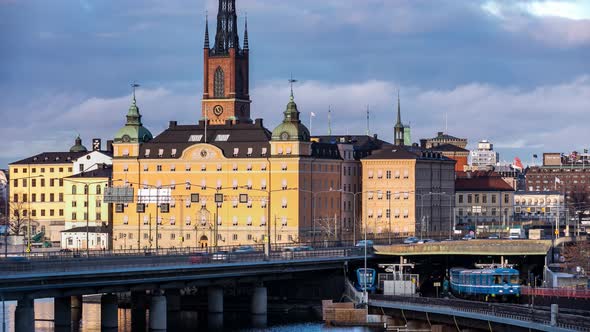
(91,161)
(75,238)
(539,205)
(3,193)
(484,155)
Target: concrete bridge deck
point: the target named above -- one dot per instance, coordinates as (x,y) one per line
(471,247)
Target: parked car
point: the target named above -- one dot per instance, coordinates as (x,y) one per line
(494,237)
(198,258)
(296,252)
(220,256)
(411,240)
(426,241)
(244,249)
(361,243)
(468,237)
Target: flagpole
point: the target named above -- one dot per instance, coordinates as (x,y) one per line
(310,117)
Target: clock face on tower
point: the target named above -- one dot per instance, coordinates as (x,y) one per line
(218,110)
(284,135)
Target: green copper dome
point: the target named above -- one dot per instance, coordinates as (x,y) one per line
(133,131)
(291,129)
(78,147)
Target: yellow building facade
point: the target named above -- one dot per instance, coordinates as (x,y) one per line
(407,192)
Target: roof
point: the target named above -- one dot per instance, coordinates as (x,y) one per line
(101,172)
(446,137)
(82,229)
(227,137)
(51,158)
(447,148)
(482,183)
(363,145)
(540,193)
(406,152)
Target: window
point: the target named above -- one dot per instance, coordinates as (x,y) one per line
(145,168)
(52,197)
(388,174)
(33,182)
(34,213)
(218,83)
(460,198)
(24,182)
(387,195)
(74,217)
(235,237)
(42,197)
(74,190)
(469,199)
(284,221)
(51,212)
(284,203)
(15,183)
(43,182)
(506,198)
(219,168)
(484,198)
(476,198)
(235,220)
(158,168)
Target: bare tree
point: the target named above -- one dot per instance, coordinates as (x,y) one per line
(577,254)
(18,217)
(578,199)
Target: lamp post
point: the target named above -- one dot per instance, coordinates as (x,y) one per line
(354,213)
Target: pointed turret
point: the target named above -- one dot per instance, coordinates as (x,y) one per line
(206,46)
(246,45)
(398,129)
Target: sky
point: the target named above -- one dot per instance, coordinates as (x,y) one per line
(515,72)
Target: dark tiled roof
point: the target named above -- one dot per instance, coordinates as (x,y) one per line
(101,172)
(406,152)
(490,183)
(363,145)
(448,148)
(325,151)
(446,137)
(51,158)
(82,229)
(227,137)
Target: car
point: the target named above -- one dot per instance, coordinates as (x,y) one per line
(411,240)
(198,258)
(468,237)
(244,249)
(295,252)
(361,243)
(426,241)
(220,256)
(494,237)
(65,250)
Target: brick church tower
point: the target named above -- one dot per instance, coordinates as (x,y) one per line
(226,70)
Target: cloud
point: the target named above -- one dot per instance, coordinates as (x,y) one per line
(561,24)
(547,117)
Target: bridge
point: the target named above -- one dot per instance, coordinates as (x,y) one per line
(478,315)
(472,247)
(163,275)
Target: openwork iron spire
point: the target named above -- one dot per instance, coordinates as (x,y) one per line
(399,112)
(227,29)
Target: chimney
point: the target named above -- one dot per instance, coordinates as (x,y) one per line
(375,136)
(96,144)
(172,124)
(110,145)
(423,143)
(440,133)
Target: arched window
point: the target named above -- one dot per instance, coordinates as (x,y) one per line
(73,189)
(218,83)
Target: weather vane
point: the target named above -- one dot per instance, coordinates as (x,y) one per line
(291,81)
(134,85)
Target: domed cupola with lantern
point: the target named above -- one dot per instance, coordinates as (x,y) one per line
(289,134)
(133,133)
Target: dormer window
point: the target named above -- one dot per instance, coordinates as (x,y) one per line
(160,152)
(195,138)
(147,153)
(263,152)
(249,152)
(173,152)
(222,137)
(236,151)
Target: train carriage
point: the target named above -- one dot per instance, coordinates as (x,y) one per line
(485,284)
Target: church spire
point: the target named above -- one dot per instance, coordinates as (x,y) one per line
(246,45)
(206,46)
(226,36)
(398,129)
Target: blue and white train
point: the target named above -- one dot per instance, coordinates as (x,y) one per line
(485,284)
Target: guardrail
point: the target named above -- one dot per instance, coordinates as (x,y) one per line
(516,312)
(556,292)
(73,264)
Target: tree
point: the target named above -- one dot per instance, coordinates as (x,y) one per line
(577,254)
(578,199)
(18,217)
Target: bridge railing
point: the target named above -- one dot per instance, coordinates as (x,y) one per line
(516,312)
(52,264)
(556,292)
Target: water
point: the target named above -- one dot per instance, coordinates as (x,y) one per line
(185,321)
